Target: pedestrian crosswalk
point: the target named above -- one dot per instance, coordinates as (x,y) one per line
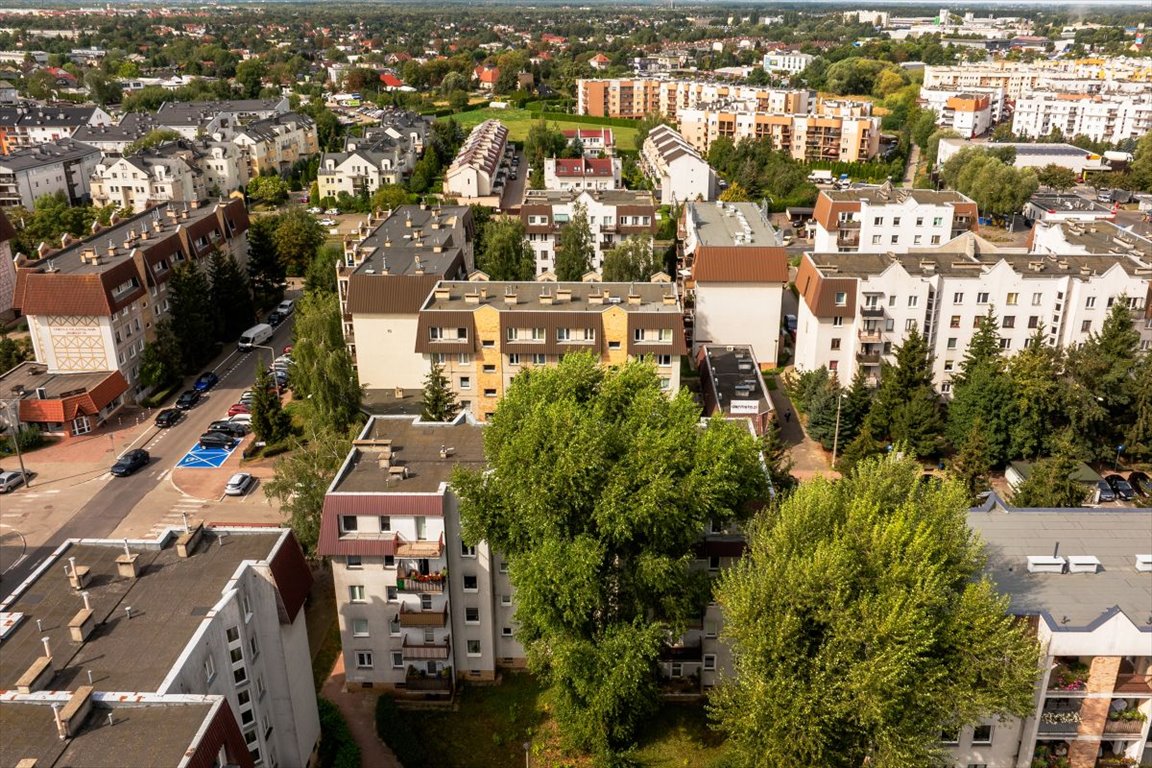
(187,509)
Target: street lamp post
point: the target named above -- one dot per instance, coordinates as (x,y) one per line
(12,417)
(836,434)
(1116,464)
(272,352)
(527,747)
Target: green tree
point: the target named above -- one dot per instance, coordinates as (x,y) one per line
(777,458)
(574,246)
(972,464)
(857,403)
(1101,370)
(302,479)
(1056,177)
(633,260)
(160,362)
(439,402)
(192,315)
(230,296)
(823,410)
(735,193)
(835,667)
(1036,373)
(250,77)
(323,372)
(862,447)
(271,190)
(906,408)
(505,252)
(601,570)
(13,352)
(266,271)
(298,237)
(321,275)
(389,197)
(1138,434)
(932,146)
(102,89)
(982,392)
(1140,168)
(270,423)
(1052,481)
(544,140)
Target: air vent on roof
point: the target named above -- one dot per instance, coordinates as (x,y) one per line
(1045,564)
(1083,564)
(1144,563)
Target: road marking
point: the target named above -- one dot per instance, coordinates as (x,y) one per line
(163,475)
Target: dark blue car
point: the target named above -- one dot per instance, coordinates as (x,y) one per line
(206,382)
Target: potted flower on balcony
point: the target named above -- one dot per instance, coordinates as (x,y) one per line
(1069,677)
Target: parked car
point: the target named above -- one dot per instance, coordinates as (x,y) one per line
(1120,487)
(274,318)
(1141,483)
(327,222)
(284,360)
(216,440)
(286,307)
(10,481)
(234,428)
(332,212)
(188,400)
(246,397)
(239,484)
(130,462)
(239,408)
(314,210)
(206,382)
(241,418)
(168,417)
(1105,492)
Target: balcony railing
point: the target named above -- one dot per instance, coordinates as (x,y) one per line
(436,619)
(868,358)
(866,311)
(1124,727)
(426,650)
(424,585)
(869,336)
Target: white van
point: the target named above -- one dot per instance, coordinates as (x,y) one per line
(257,334)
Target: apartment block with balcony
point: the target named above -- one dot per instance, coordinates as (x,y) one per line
(477,171)
(418,609)
(580,173)
(45,169)
(1103,117)
(856,308)
(93,304)
(677,170)
(189,649)
(274,144)
(889,220)
(826,134)
(389,269)
(179,171)
(1020,78)
(640,97)
(1086,596)
(613,215)
(939,99)
(484,333)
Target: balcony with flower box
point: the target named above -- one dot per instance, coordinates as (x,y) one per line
(423,583)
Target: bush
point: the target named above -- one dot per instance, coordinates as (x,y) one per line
(393,729)
(337,747)
(28,438)
(158,398)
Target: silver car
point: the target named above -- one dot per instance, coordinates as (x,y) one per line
(239,484)
(10,481)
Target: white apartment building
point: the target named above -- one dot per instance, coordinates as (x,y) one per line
(937,100)
(614,215)
(30,126)
(178,171)
(1019,79)
(214,616)
(1087,596)
(418,610)
(1108,117)
(889,220)
(219,119)
(739,270)
(595,141)
(639,97)
(792,62)
(476,171)
(385,155)
(45,169)
(580,173)
(855,308)
(274,144)
(1032,155)
(677,170)
(837,131)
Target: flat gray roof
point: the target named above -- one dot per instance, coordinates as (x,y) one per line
(32,376)
(958,263)
(719,224)
(735,375)
(1072,600)
(62,151)
(169,600)
(415,445)
(1104,237)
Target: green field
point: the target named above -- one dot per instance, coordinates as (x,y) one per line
(519,121)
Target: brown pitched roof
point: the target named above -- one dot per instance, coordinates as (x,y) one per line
(293,576)
(740,264)
(65,409)
(819,292)
(389,294)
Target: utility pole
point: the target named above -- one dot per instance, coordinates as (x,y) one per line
(14,424)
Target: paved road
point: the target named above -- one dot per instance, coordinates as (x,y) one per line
(116,497)
(910,169)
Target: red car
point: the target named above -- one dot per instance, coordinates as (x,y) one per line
(239,408)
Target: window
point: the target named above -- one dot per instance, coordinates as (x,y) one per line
(895,221)
(916,239)
(473,647)
(709,662)
(664,334)
(359,627)
(439,358)
(919,221)
(1086,326)
(233,634)
(891,301)
(385,523)
(837,322)
(1013,299)
(514,359)
(665,383)
(563,334)
(613,345)
(637,334)
(664,361)
(466,550)
(348,523)
(464,358)
(957,298)
(505,600)
(537,359)
(502,566)
(394,626)
(982,734)
(425,602)
(1034,321)
(506,631)
(841,298)
(875,239)
(538,334)
(490,392)
(240,674)
(949,365)
(589,334)
(910,324)
(711,629)
(465,382)
(488,343)
(471,615)
(435,334)
(938,221)
(489,369)
(1008,321)
(209,669)
(354,561)
(946,387)
(1036,299)
(913,301)
(935,239)
(981,298)
(950,737)
(1090,302)
(677,669)
(1005,343)
(470,584)
(391,594)
(421,523)
(954,322)
(397,660)
(356,593)
(363,659)
(895,239)
(878,221)
(714,563)
(835,344)
(833,365)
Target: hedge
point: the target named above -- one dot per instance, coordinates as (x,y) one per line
(337,747)
(395,731)
(158,397)
(621,122)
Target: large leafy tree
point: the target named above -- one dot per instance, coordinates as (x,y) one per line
(597,490)
(974,460)
(266,271)
(269,421)
(13,352)
(302,479)
(1051,481)
(506,254)
(1138,434)
(298,237)
(323,372)
(906,408)
(574,246)
(160,362)
(861,627)
(633,260)
(192,315)
(230,296)
(439,401)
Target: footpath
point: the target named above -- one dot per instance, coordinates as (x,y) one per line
(359,710)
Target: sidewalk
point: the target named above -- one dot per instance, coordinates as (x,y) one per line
(808,457)
(87,456)
(359,709)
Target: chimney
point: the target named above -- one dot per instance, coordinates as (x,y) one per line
(563,295)
(442,293)
(669,299)
(634,299)
(510,296)
(546,296)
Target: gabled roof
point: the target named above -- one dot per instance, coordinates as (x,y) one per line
(582,166)
(740,264)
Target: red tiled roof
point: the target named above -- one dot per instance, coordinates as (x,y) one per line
(487,74)
(391,80)
(293,576)
(603,134)
(581,166)
(740,264)
(62,410)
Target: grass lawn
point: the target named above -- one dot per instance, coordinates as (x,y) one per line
(519,121)
(492,723)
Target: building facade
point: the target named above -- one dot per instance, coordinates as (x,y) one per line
(580,173)
(62,166)
(888,220)
(275,144)
(484,333)
(178,171)
(637,98)
(1019,79)
(836,132)
(477,170)
(1105,117)
(792,62)
(613,216)
(676,169)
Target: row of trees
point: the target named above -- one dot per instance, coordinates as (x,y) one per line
(989,178)
(1003,408)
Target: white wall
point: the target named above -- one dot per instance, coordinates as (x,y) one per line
(386,353)
(740,313)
